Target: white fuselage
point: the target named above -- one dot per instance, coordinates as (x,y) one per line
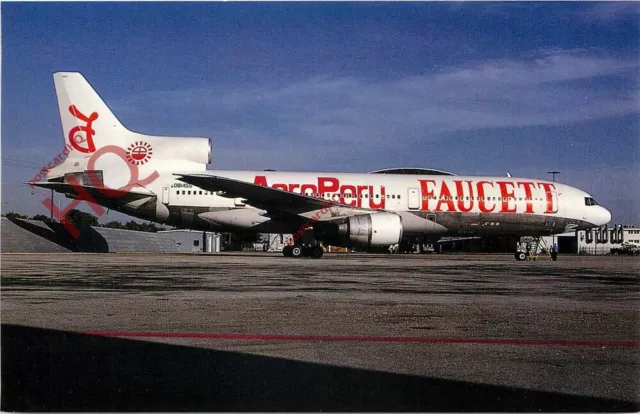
(491,200)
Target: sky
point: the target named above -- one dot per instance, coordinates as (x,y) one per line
(475,88)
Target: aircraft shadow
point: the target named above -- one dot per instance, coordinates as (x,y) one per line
(47,370)
(88,241)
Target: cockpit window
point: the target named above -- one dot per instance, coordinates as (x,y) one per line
(589,201)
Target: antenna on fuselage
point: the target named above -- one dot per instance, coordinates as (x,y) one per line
(508,174)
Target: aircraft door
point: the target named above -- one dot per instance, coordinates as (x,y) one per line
(165,195)
(414,198)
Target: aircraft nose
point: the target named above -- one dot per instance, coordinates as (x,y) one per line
(601,216)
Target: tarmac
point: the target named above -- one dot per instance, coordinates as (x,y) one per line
(348,332)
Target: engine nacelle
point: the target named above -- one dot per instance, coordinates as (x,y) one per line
(381,229)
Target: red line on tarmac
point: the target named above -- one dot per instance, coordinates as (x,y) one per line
(390,339)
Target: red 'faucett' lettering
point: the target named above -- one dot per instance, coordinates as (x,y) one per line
(506,196)
(445,198)
(528,194)
(548,191)
(426,193)
(461,196)
(448,196)
(481,196)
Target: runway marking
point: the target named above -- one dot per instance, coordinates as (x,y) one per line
(390,339)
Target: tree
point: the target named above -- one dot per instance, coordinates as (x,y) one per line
(80,218)
(132,225)
(12,216)
(114,225)
(148,227)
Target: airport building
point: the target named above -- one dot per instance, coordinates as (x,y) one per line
(25,236)
(596,241)
(34,236)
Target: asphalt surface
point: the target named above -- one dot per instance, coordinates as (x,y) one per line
(344,333)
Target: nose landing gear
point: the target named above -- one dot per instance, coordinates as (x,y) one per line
(530,248)
(520,256)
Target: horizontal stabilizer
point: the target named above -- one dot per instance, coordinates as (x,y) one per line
(100,195)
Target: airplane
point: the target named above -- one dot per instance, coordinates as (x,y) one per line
(166,180)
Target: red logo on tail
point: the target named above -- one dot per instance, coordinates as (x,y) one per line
(81,134)
(139,153)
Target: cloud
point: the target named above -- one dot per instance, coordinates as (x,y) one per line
(548,87)
(611,11)
(264,126)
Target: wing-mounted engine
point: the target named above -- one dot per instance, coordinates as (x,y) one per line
(379,229)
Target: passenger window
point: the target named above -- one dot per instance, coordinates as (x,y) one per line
(182,192)
(178,192)
(398,196)
(393,196)
(200,192)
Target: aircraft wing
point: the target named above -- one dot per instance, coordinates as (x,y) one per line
(266,198)
(102,195)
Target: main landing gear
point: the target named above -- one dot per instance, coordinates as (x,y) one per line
(302,250)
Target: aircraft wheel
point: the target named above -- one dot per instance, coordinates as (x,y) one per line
(520,256)
(296,251)
(287,251)
(316,252)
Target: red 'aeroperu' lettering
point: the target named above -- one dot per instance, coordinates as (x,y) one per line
(260,180)
(351,190)
(330,187)
(383,193)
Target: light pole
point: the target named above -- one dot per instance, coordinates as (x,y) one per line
(553,177)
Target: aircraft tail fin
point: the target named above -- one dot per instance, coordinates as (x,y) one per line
(91,131)
(87,121)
